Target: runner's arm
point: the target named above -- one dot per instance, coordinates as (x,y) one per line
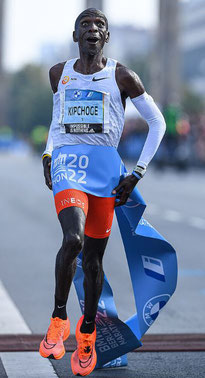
(55,73)
(54,76)
(131,86)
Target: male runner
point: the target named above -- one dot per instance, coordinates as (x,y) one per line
(87,173)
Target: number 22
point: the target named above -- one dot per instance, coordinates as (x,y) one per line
(83,163)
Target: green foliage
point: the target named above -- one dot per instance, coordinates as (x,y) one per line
(6,134)
(39,135)
(140,65)
(30,99)
(192,103)
(6,130)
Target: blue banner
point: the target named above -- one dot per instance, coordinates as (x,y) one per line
(153,270)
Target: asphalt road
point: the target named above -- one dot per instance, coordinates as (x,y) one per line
(31,236)
(147,365)
(140,365)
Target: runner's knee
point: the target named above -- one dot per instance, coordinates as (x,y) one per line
(72,244)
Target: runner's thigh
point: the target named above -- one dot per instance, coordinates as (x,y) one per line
(100,216)
(72,207)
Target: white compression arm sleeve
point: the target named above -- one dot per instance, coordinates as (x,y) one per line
(151,113)
(49,144)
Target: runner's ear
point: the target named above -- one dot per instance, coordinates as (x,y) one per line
(107,37)
(75,39)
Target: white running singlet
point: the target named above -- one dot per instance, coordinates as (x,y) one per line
(87,109)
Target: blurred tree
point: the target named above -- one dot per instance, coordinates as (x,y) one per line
(192,103)
(30,99)
(39,136)
(141,66)
(6,130)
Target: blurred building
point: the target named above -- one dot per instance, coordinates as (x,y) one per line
(193,44)
(1,33)
(50,53)
(165,66)
(126,43)
(3,92)
(98,4)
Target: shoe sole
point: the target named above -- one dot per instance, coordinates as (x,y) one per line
(88,372)
(59,356)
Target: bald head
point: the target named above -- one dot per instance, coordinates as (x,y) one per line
(90,12)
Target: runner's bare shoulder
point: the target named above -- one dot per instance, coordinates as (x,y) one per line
(128,81)
(55,73)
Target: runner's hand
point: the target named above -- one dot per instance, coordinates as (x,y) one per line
(47,171)
(124,189)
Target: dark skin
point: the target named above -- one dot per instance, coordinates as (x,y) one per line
(91,36)
(92,60)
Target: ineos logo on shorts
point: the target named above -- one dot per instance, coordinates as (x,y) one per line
(72,200)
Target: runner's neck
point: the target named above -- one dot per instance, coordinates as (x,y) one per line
(90,64)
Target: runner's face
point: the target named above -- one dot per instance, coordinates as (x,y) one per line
(91,34)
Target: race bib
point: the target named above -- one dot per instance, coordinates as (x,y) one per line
(84,111)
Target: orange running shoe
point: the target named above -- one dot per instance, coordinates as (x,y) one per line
(52,344)
(84,359)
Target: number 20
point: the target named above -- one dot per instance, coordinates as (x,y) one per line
(83,164)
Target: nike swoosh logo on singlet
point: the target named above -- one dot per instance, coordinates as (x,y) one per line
(100,78)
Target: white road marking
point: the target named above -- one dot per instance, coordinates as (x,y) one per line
(27,365)
(197,222)
(11,321)
(172,216)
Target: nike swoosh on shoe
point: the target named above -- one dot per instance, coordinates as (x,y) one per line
(50,345)
(88,362)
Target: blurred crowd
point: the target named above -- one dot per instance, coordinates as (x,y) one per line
(182,147)
(197,138)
